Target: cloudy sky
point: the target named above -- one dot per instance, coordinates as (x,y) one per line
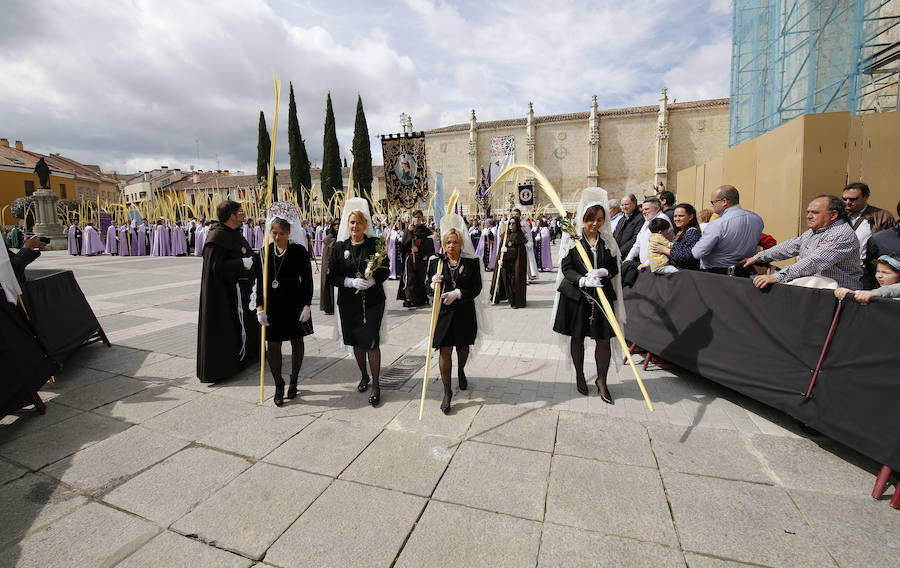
(136,84)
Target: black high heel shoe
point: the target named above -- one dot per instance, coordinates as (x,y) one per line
(363,385)
(375,398)
(463,381)
(445,405)
(581,386)
(607,398)
(292,388)
(278,399)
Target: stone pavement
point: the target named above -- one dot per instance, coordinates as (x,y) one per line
(138,464)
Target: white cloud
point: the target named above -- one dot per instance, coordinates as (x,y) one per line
(136,84)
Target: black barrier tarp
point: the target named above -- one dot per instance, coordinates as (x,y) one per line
(765,344)
(59,311)
(24,363)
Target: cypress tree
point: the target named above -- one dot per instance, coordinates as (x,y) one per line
(362,152)
(300,176)
(331,178)
(263,147)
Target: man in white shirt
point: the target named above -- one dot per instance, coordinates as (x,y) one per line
(650,209)
(615,214)
(865,219)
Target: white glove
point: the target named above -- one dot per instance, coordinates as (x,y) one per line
(592,282)
(437,278)
(503,250)
(304,315)
(598,273)
(248,262)
(451,296)
(262,318)
(537,238)
(582,282)
(368,283)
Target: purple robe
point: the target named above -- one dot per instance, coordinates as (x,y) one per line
(72,240)
(111,244)
(317,246)
(199,239)
(542,245)
(161,241)
(247,233)
(259,236)
(179,243)
(90,242)
(126,240)
(391,244)
(495,250)
(141,248)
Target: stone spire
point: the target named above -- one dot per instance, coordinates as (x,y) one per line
(529,133)
(406,123)
(662,141)
(473,149)
(594,144)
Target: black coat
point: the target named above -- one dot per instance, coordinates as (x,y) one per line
(576,315)
(414,264)
(227,330)
(456,324)
(627,231)
(294,291)
(360,313)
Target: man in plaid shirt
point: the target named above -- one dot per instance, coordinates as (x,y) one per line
(829,248)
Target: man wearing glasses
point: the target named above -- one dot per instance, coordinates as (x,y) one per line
(865,219)
(227,331)
(731,237)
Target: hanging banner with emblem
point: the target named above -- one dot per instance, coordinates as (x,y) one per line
(526,194)
(405,174)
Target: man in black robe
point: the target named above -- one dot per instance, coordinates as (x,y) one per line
(227,332)
(417,247)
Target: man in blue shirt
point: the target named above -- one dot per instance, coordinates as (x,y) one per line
(731,237)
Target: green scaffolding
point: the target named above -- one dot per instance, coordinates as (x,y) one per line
(794,57)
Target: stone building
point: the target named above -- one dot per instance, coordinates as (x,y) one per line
(626,150)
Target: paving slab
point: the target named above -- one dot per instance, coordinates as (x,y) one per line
(253,510)
(99,393)
(605,438)
(741,521)
(31,502)
(10,471)
(452,535)
(354,406)
(610,498)
(261,431)
(348,525)
(176,551)
(167,369)
(116,359)
(434,422)
(94,535)
(517,426)
(26,422)
(61,439)
(707,451)
(403,461)
(198,417)
(857,530)
(74,376)
(799,463)
(325,446)
(571,547)
(170,489)
(497,478)
(100,467)
(699,561)
(150,402)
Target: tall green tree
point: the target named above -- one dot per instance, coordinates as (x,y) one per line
(362,152)
(263,147)
(300,175)
(331,177)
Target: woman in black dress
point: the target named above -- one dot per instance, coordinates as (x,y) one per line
(287,313)
(361,298)
(514,267)
(578,312)
(457,322)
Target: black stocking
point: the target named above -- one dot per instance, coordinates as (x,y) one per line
(462,355)
(273,354)
(297,351)
(445,363)
(360,354)
(375,364)
(602,355)
(576,348)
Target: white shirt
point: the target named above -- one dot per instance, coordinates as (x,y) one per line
(863,232)
(614,222)
(641,245)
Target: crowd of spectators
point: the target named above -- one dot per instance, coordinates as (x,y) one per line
(849,245)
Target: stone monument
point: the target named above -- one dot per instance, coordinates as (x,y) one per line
(47,223)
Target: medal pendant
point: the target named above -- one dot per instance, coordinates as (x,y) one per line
(274,283)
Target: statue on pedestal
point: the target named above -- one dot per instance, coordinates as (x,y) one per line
(43,172)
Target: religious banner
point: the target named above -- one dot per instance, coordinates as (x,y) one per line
(405,174)
(526,194)
(503,154)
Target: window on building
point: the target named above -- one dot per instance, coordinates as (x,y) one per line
(29,188)
(62,190)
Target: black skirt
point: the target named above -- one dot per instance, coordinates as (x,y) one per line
(573,318)
(456,328)
(362,328)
